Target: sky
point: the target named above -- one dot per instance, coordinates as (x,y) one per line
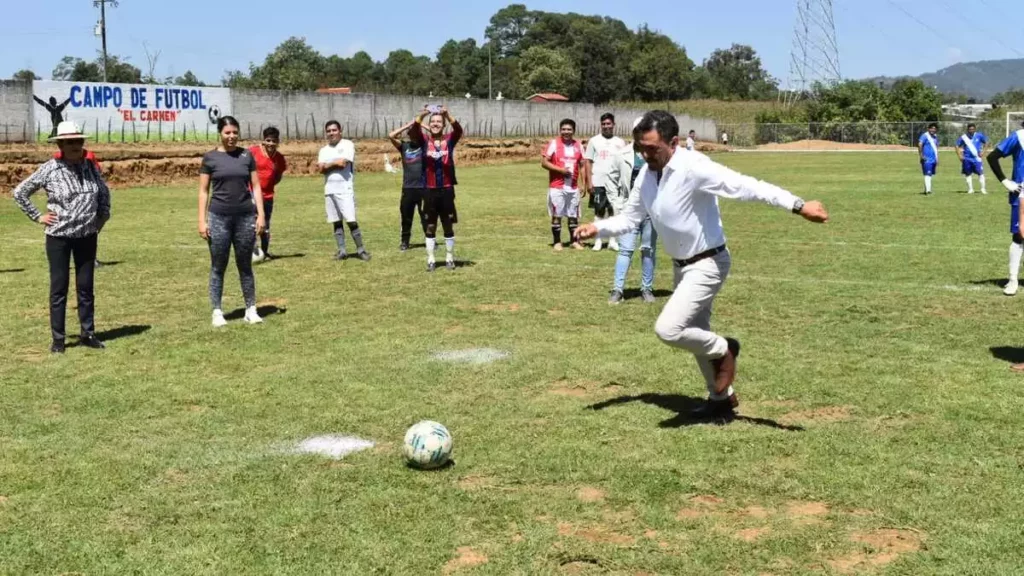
(876,37)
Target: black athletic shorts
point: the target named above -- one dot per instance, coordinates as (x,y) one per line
(438,201)
(599,200)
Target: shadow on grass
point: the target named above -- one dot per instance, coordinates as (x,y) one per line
(683,406)
(263,311)
(12,270)
(447,465)
(1011,354)
(117,333)
(104,264)
(287,256)
(464,263)
(1000,282)
(631,293)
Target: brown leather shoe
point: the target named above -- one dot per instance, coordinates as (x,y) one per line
(725,367)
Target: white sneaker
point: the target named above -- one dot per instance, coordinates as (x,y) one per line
(1011,287)
(983,191)
(598,245)
(251,317)
(257,256)
(613,245)
(970,191)
(218,319)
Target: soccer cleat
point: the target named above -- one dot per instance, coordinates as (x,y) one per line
(431,266)
(983,191)
(258,256)
(970,191)
(614,297)
(598,244)
(341,255)
(723,410)
(577,246)
(218,319)
(449,264)
(92,341)
(403,247)
(251,317)
(613,245)
(557,247)
(363,255)
(57,347)
(647,296)
(1011,287)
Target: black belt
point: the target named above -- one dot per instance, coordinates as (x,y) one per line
(699,257)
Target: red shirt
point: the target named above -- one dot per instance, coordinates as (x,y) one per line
(269,170)
(439,161)
(564,155)
(88,156)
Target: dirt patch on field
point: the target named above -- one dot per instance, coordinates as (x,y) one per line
(467,558)
(158,164)
(476,482)
(582,388)
(596,534)
(3,499)
(590,494)
(699,507)
(828,145)
(751,534)
(497,307)
(880,547)
(825,415)
(805,513)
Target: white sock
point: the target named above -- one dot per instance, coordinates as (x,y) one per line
(927,183)
(1016,251)
(981,179)
(723,395)
(449,247)
(970,185)
(431,245)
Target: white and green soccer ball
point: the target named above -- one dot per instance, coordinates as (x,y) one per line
(428,445)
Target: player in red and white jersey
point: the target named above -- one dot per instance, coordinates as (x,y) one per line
(563,159)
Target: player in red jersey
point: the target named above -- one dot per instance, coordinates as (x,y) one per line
(563,159)
(270,167)
(439,172)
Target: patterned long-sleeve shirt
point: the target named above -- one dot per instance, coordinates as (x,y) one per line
(76,193)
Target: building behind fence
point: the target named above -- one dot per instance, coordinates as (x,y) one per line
(135,113)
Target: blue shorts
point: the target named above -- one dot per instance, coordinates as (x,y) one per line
(928,168)
(1014,213)
(973,167)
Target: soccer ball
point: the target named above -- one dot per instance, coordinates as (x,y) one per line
(428,445)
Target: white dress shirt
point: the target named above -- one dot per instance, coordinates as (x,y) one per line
(683,206)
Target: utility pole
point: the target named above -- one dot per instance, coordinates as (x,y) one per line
(815,53)
(102,4)
(490,93)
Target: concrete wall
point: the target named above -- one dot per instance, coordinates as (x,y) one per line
(16,123)
(302,115)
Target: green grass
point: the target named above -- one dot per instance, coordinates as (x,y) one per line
(163,454)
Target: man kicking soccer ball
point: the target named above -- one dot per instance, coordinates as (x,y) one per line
(563,159)
(679,190)
(335,163)
(969,149)
(1012,146)
(928,148)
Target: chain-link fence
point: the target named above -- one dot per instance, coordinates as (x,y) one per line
(836,135)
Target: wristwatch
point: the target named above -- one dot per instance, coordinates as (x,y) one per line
(798,206)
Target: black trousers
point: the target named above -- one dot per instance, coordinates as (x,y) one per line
(412,201)
(59,252)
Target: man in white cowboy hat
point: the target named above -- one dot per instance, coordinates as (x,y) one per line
(78,206)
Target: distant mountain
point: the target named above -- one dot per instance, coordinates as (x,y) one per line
(981,80)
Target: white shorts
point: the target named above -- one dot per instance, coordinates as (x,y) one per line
(563,203)
(340,207)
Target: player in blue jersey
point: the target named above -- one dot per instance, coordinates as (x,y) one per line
(969,148)
(1012,146)
(928,147)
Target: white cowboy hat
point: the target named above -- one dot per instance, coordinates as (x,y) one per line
(68,130)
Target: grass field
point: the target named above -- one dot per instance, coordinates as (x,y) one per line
(879,430)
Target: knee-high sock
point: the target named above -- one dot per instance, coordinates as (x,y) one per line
(1016,252)
(431,245)
(970,184)
(927,183)
(981,178)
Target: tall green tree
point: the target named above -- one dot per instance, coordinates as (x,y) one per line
(461,66)
(736,73)
(405,73)
(547,70)
(25,76)
(911,100)
(293,65)
(188,79)
(658,68)
(508,27)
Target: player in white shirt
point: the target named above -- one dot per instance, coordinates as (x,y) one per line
(679,190)
(603,162)
(336,162)
(725,138)
(691,140)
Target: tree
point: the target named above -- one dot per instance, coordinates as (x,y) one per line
(120,70)
(77,70)
(236,79)
(188,79)
(461,66)
(737,74)
(25,76)
(408,74)
(508,27)
(850,101)
(598,50)
(293,65)
(547,70)
(1010,98)
(659,69)
(911,100)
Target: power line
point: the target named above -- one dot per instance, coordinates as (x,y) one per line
(997,37)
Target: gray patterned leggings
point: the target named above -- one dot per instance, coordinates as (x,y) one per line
(227,230)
